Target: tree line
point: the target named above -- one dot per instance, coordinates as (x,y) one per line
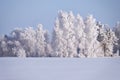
(72,36)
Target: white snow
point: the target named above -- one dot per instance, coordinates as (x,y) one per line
(59,68)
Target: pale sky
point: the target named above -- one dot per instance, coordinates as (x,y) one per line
(25,13)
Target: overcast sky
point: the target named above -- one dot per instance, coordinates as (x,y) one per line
(24,13)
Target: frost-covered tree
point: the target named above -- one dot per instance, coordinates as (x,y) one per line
(75,37)
(91,43)
(1,51)
(107,40)
(100,38)
(10,47)
(80,36)
(72,37)
(117,33)
(4,47)
(110,41)
(25,43)
(28,41)
(64,35)
(40,41)
(58,40)
(26,38)
(18,50)
(48,47)
(71,40)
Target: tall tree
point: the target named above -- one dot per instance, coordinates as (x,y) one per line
(80,36)
(107,40)
(91,43)
(58,41)
(116,29)
(64,34)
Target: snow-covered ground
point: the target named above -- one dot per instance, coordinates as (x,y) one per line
(59,69)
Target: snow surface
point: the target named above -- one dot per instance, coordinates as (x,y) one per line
(59,69)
